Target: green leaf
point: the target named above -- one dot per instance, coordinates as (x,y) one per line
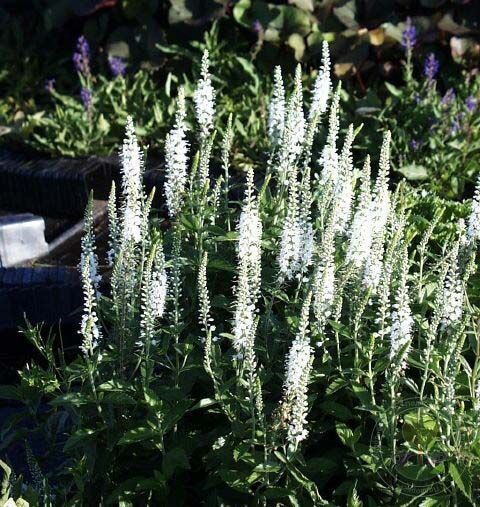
(353,499)
(414,172)
(78,438)
(139,435)
(240,12)
(336,410)
(396,92)
(297,43)
(462,478)
(347,435)
(203,403)
(76,399)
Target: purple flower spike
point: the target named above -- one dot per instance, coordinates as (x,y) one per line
(81,58)
(448,98)
(50,85)
(409,35)
(117,66)
(86,98)
(430,67)
(414,144)
(83,47)
(471,103)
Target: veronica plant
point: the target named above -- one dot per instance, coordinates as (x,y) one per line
(299,346)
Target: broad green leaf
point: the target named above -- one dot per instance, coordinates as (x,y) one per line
(414,172)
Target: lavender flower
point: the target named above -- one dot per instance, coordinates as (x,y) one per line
(86,98)
(50,85)
(81,58)
(471,103)
(117,66)
(409,35)
(430,67)
(414,144)
(448,98)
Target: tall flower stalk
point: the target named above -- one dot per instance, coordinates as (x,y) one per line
(294,407)
(176,159)
(204,99)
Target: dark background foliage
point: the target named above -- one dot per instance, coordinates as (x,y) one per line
(38,35)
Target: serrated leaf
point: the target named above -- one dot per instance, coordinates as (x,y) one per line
(462,478)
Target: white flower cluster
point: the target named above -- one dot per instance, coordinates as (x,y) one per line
(88,254)
(113,230)
(360,233)
(297,238)
(276,109)
(473,223)
(402,321)
(250,236)
(297,375)
(154,296)
(380,211)
(89,328)
(293,131)
(452,298)
(131,169)
(249,257)
(204,99)
(323,85)
(329,159)
(204,298)
(176,159)
(343,185)
(289,257)
(324,278)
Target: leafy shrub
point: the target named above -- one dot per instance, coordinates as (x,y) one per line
(312,344)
